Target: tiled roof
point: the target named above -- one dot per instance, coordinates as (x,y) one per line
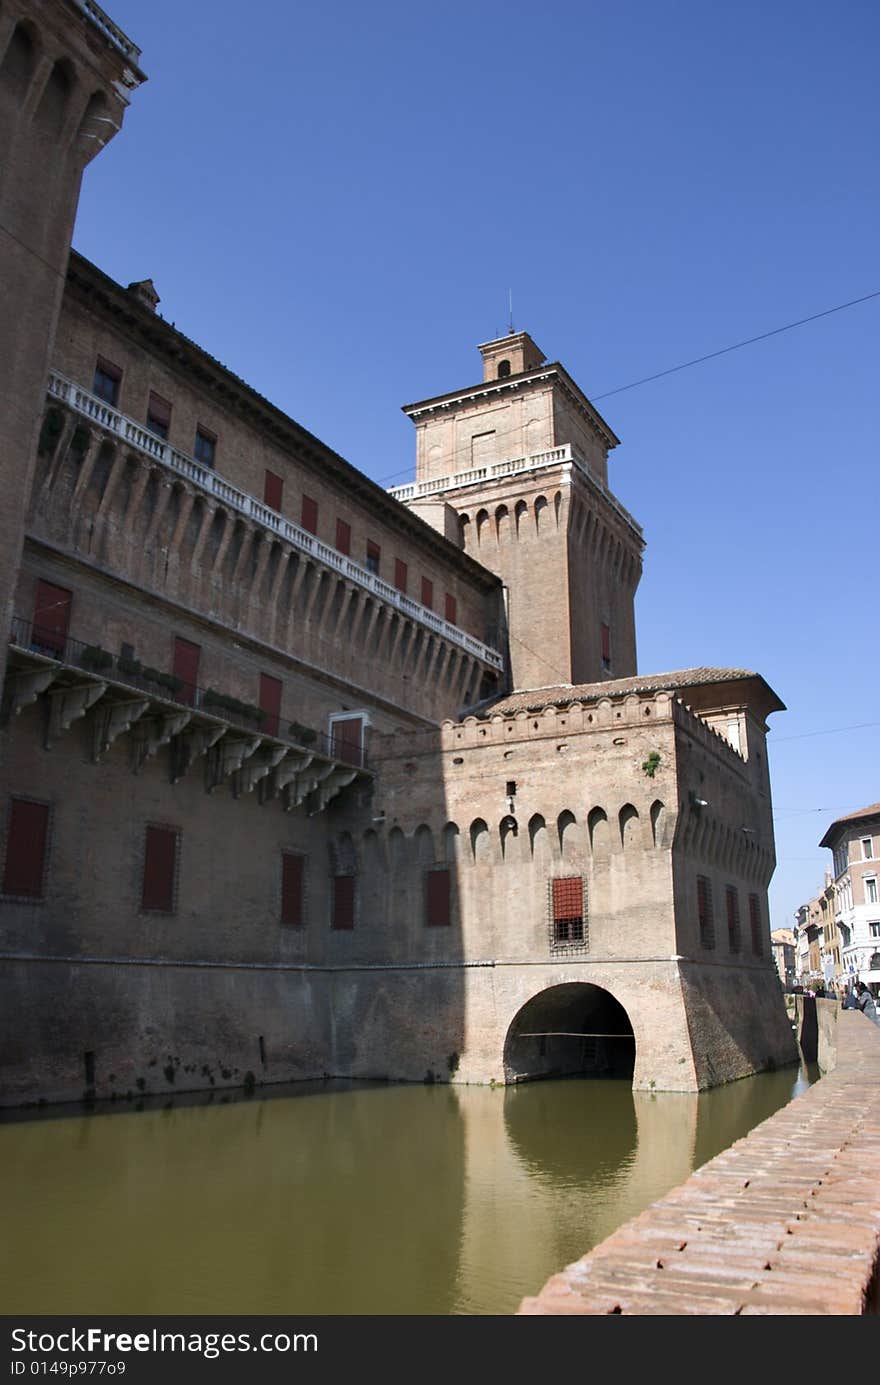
(560,695)
(872,811)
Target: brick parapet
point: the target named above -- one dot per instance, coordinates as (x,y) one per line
(785,1222)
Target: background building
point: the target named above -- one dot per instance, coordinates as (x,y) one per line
(854,841)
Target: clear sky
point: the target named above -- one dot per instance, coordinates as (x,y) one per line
(334,199)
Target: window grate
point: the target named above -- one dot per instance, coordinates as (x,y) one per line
(568,927)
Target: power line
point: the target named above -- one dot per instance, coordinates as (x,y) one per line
(710,356)
(831,731)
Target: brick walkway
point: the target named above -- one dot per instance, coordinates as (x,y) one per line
(785,1221)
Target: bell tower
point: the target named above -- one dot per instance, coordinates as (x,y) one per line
(522,458)
(66,72)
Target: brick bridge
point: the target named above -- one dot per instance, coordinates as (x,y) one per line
(786,1221)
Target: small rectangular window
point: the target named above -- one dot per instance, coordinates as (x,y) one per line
(347,739)
(343,537)
(158,415)
(273,489)
(270,703)
(733,933)
(428,593)
(292,894)
(567,910)
(867,848)
(309,515)
(51,619)
(871,890)
(205,448)
(186,668)
(874,929)
(451,609)
(437,898)
(755,924)
(704,912)
(400,574)
(343,902)
(606,646)
(160,870)
(108,378)
(26,840)
(374,557)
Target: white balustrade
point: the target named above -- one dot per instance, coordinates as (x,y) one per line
(134,435)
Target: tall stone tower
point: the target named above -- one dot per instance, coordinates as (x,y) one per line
(65,74)
(522,460)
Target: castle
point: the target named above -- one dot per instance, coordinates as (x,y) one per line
(302,777)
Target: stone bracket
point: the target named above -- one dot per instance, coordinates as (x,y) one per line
(153,733)
(258,767)
(302,785)
(26,688)
(68,704)
(112,719)
(228,757)
(188,747)
(341,777)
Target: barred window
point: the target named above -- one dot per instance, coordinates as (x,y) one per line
(704,912)
(755,921)
(568,923)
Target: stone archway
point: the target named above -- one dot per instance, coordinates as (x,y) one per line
(576,1029)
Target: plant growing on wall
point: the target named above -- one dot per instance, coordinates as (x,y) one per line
(93,656)
(304,734)
(652,764)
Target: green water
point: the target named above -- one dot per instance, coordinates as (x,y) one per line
(345,1199)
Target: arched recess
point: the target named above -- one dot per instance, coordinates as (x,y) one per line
(576,1029)
(600,837)
(479,835)
(541,513)
(658,822)
(508,831)
(55,100)
(19,61)
(423,841)
(396,849)
(482,521)
(539,843)
(628,818)
(566,828)
(502,524)
(451,840)
(520,512)
(464,530)
(557,506)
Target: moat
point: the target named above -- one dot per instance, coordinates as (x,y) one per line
(335,1198)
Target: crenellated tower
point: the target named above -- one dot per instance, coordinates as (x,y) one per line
(518,466)
(66,71)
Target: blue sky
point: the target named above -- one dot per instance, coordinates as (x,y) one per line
(335,199)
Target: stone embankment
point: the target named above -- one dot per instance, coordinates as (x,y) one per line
(786,1221)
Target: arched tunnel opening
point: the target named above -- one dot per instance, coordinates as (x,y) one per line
(575,1030)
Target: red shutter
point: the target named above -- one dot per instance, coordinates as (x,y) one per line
(309,520)
(273,487)
(348,740)
(568,898)
(428,593)
(451,609)
(160,855)
(291,889)
(26,848)
(186,667)
(438,898)
(51,618)
(343,901)
(400,575)
(374,556)
(270,701)
(343,536)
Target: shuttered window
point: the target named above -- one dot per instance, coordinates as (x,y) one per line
(51,618)
(309,519)
(374,557)
(733,934)
(160,870)
(292,895)
(26,840)
(186,668)
(755,922)
(704,912)
(108,378)
(343,537)
(270,702)
(428,593)
(567,910)
(273,490)
(400,575)
(347,739)
(342,915)
(437,898)
(451,609)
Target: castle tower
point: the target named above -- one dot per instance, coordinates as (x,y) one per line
(65,74)
(522,460)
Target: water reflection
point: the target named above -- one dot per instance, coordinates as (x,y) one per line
(394,1199)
